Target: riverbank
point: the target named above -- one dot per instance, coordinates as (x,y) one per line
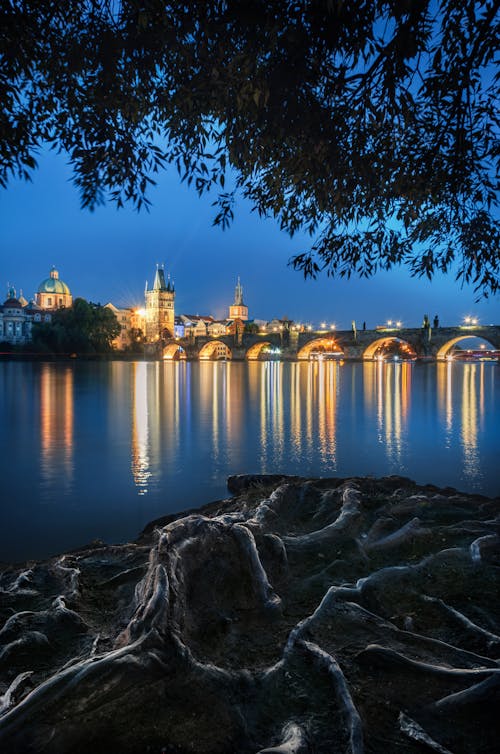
(307,615)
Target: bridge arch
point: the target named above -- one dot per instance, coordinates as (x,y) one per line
(387,343)
(215,350)
(256,350)
(174,352)
(326,346)
(446,348)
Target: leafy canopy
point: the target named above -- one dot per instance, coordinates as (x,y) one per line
(85,328)
(370,124)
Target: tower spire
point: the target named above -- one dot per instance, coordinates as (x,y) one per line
(238,294)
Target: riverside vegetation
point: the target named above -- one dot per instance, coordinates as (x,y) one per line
(298,616)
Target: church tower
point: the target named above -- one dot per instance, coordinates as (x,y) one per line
(238,310)
(160,307)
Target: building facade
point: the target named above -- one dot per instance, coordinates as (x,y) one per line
(160,308)
(124,317)
(17,317)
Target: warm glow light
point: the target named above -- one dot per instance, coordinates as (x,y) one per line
(398,324)
(332,327)
(141,312)
(309,327)
(389,322)
(323,325)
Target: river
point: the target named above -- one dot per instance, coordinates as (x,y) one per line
(97,449)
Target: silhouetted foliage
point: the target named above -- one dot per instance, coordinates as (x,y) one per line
(370,124)
(251,327)
(83,328)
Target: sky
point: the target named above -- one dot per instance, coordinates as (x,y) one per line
(108,254)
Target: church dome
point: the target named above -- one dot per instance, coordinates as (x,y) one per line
(53,284)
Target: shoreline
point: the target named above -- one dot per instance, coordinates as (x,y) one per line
(297,610)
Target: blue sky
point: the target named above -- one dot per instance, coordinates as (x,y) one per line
(107,255)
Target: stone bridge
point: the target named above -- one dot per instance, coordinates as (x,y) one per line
(422,343)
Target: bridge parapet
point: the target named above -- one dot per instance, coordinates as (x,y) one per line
(425,342)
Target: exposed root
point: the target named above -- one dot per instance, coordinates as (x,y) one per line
(388,658)
(491,639)
(322,615)
(293,741)
(417,733)
(353,720)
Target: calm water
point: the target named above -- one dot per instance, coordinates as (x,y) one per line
(99,449)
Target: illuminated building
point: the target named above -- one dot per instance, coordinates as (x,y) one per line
(195,325)
(53,293)
(17,317)
(160,308)
(124,317)
(238,310)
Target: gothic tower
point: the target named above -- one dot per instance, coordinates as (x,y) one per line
(160,307)
(238,310)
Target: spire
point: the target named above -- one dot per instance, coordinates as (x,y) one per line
(238,294)
(54,273)
(159,283)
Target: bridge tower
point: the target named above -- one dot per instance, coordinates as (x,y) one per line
(238,310)
(160,307)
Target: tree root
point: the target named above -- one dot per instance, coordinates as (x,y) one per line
(244,617)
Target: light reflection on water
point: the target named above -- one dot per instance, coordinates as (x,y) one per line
(113,445)
(56,429)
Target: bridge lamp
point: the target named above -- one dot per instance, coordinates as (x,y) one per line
(389,322)
(309,327)
(332,327)
(467,320)
(398,324)
(323,325)
(474,321)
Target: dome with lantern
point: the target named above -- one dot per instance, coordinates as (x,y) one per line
(53,293)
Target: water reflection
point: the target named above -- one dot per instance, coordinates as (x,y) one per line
(387,395)
(177,430)
(461,401)
(293,413)
(140,461)
(326,378)
(56,427)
